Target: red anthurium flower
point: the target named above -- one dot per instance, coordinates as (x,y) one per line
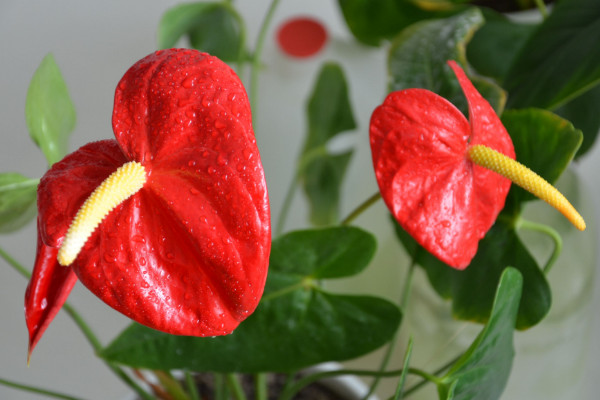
(420,146)
(169,223)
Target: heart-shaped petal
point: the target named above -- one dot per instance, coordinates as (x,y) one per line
(419,144)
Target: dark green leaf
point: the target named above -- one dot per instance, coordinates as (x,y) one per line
(472,289)
(297,324)
(483,370)
(495,45)
(214,27)
(49,111)
(544,142)
(372,21)
(418,58)
(329,113)
(560,60)
(583,113)
(17,201)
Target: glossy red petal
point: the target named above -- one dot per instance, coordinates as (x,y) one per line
(189,252)
(178,98)
(66,186)
(46,292)
(419,143)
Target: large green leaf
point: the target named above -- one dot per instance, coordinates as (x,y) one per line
(17,201)
(212,27)
(49,111)
(297,324)
(544,142)
(418,59)
(496,44)
(372,21)
(483,370)
(561,59)
(472,290)
(329,113)
(583,113)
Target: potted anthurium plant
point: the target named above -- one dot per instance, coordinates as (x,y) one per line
(169,223)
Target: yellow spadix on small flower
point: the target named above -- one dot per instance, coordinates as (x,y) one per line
(118,187)
(527,179)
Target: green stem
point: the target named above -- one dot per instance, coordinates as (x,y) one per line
(542,8)
(260,384)
(361,208)
(191,385)
(37,390)
(427,377)
(390,350)
(548,231)
(234,385)
(84,327)
(260,42)
(405,366)
(287,203)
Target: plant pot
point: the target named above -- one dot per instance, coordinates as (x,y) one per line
(550,360)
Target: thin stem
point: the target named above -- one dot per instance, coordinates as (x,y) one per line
(541,6)
(234,385)
(390,350)
(287,203)
(426,377)
(548,231)
(361,208)
(83,326)
(37,390)
(260,384)
(256,56)
(400,387)
(191,385)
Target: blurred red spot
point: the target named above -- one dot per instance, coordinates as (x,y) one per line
(301,37)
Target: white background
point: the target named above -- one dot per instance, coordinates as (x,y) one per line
(94,43)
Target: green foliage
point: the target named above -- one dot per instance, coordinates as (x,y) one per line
(297,324)
(583,113)
(483,370)
(418,57)
(212,27)
(560,60)
(371,22)
(329,113)
(17,201)
(49,111)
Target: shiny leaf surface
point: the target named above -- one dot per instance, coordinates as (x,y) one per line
(296,325)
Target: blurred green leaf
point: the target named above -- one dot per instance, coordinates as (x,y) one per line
(329,113)
(583,113)
(212,27)
(418,57)
(560,60)
(483,370)
(17,201)
(496,44)
(544,142)
(49,111)
(472,289)
(373,21)
(297,324)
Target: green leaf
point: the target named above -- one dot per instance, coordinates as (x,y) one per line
(483,370)
(560,60)
(472,289)
(49,111)
(329,113)
(17,201)
(373,21)
(544,142)
(213,27)
(496,44)
(297,324)
(418,59)
(583,113)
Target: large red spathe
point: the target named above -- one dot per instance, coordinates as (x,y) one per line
(419,143)
(188,253)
